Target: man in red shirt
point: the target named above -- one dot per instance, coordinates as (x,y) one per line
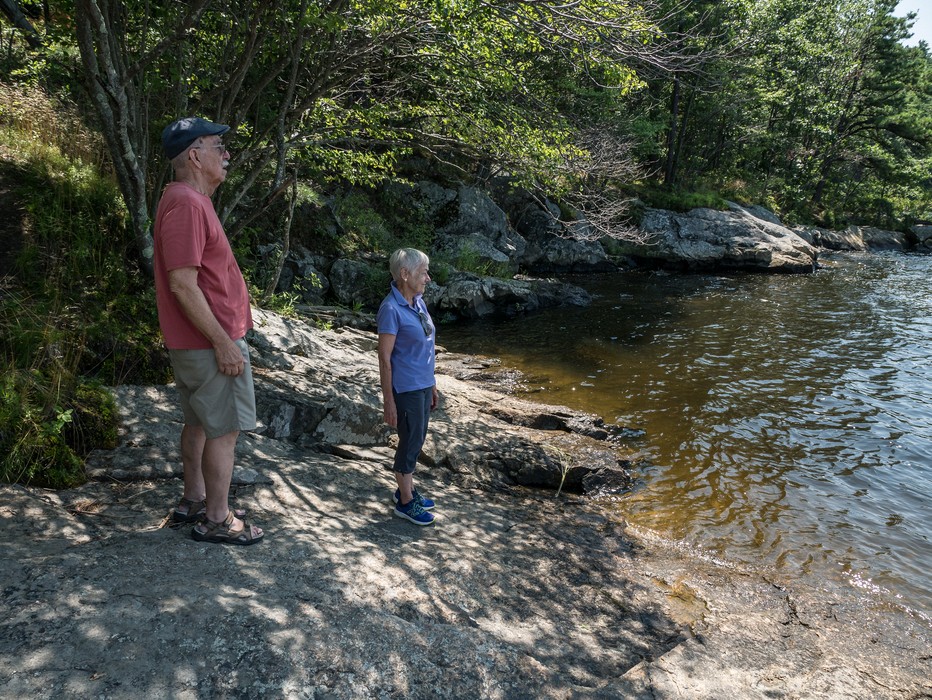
(204,314)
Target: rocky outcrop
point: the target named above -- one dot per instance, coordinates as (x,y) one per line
(473,438)
(709,239)
(509,230)
(350,282)
(857,238)
(474,246)
(512,593)
(923,234)
(848,239)
(556,243)
(325,396)
(303,275)
(878,239)
(559,254)
(470,296)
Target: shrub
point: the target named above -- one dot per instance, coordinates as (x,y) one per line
(363,228)
(677,200)
(78,310)
(469,260)
(408,223)
(32,441)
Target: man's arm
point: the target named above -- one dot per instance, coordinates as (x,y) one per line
(183,285)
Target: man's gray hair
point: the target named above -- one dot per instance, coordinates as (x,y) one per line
(406,259)
(181,160)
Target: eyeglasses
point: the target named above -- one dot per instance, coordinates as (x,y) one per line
(219,146)
(425,323)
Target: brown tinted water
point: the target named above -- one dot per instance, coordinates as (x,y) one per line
(787,419)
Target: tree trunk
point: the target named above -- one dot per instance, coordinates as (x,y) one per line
(13,12)
(681,152)
(286,241)
(116,104)
(669,170)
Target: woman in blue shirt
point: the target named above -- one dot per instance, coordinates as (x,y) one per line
(406,370)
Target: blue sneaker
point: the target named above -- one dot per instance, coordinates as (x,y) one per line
(425,503)
(413,512)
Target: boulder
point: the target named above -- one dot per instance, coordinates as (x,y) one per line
(463,297)
(470,296)
(435,201)
(878,239)
(352,282)
(758,212)
(476,213)
(303,274)
(471,245)
(710,239)
(831,240)
(553,245)
(923,234)
(547,253)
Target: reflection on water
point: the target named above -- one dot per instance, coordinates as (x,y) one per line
(788,419)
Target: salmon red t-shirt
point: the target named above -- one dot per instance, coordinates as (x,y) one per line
(189,234)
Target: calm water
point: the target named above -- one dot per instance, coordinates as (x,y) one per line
(788,419)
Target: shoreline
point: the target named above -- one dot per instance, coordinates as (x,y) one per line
(509,595)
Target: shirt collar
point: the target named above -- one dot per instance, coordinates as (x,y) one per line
(399,298)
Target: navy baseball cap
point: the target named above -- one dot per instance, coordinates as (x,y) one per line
(181,133)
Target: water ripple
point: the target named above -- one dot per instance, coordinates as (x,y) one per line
(789,417)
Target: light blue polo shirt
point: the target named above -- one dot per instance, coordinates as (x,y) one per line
(413,354)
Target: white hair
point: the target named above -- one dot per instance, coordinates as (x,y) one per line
(180,162)
(406,259)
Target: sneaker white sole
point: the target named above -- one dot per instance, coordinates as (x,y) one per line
(399,514)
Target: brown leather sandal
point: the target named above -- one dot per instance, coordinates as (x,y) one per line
(222,533)
(196,511)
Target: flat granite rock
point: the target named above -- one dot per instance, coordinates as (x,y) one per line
(511,594)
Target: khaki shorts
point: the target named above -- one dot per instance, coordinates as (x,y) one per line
(220,403)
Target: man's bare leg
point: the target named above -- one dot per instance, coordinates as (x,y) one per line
(217,467)
(192,450)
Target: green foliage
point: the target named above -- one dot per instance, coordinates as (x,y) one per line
(33,408)
(381,221)
(34,450)
(76,313)
(122,342)
(361,225)
(94,424)
(468,259)
(441,270)
(409,223)
(282,303)
(816,108)
(374,286)
(679,200)
(51,416)
(49,426)
(39,124)
(75,224)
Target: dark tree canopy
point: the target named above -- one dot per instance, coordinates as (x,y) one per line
(814,108)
